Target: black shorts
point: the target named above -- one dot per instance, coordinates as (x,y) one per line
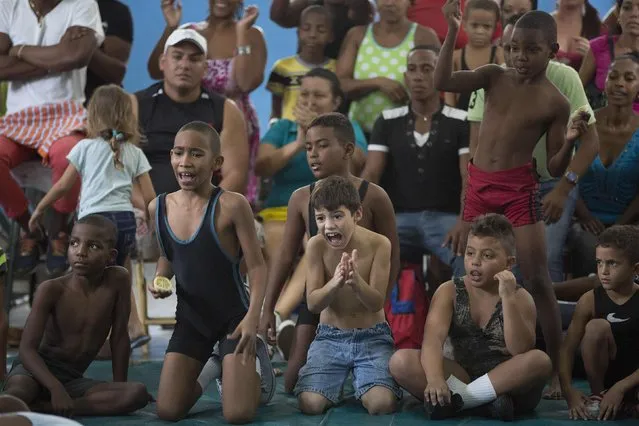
(73,381)
(189,341)
(305,316)
(620,368)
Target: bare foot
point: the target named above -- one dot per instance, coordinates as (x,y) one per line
(553,391)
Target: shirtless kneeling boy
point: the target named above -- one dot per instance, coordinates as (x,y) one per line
(348,274)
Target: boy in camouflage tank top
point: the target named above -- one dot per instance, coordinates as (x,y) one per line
(491,324)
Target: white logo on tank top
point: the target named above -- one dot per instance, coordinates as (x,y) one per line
(611,318)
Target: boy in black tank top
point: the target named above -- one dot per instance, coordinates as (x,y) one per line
(497,372)
(606,323)
(330,143)
(203,232)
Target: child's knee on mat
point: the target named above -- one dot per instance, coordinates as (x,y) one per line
(539,362)
(313,403)
(238,414)
(135,397)
(379,400)
(399,365)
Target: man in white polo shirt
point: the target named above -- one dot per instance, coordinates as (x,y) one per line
(45,46)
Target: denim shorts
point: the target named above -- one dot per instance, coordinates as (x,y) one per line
(335,353)
(127,226)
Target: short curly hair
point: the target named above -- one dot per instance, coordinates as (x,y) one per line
(495,226)
(624,238)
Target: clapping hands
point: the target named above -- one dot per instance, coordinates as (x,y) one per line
(346,271)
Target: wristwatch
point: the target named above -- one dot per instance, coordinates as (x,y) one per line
(571,177)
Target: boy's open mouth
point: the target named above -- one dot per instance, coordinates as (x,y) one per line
(186,177)
(334,238)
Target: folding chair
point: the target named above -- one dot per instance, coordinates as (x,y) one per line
(140,283)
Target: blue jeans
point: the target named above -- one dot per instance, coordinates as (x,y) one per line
(557,233)
(427,230)
(335,353)
(127,226)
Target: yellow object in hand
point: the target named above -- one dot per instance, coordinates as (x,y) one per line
(162,284)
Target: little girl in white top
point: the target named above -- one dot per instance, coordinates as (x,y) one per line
(108,163)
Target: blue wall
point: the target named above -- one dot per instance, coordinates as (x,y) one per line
(149,24)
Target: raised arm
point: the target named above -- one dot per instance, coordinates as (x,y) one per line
(248,69)
(588,68)
(459,81)
(172,12)
(45,299)
(286,13)
(234,149)
(372,294)
(520,316)
(273,155)
(120,343)
(256,266)
(440,314)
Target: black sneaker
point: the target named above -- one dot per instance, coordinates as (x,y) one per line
(502,408)
(440,412)
(57,254)
(28,255)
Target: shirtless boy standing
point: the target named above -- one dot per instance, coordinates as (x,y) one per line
(606,324)
(348,274)
(501,174)
(68,324)
(330,143)
(203,232)
(491,324)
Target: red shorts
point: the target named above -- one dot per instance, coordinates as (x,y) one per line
(513,193)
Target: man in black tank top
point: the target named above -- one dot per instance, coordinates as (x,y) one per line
(166,106)
(330,143)
(204,232)
(606,324)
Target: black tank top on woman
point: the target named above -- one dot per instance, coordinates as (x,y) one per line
(312,225)
(623,320)
(464,98)
(160,120)
(209,287)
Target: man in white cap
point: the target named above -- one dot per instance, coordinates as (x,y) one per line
(166,106)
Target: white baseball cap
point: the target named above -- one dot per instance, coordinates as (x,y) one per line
(186,34)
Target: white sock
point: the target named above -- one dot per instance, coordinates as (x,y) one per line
(212,370)
(474,394)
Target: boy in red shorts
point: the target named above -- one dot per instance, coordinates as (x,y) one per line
(521,105)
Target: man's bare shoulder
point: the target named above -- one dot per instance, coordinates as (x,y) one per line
(356,34)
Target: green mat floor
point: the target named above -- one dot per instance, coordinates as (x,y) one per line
(283,409)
